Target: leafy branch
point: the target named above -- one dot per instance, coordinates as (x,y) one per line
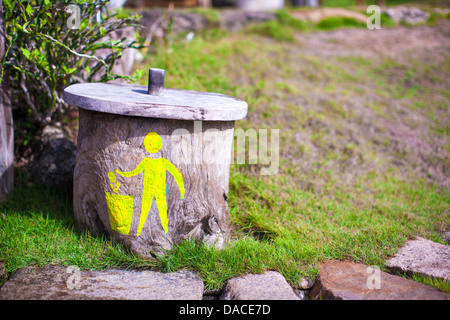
(44,55)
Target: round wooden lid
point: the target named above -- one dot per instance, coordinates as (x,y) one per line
(134,100)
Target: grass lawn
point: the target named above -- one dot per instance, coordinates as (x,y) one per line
(349,186)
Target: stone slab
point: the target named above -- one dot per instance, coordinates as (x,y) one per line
(270,285)
(134,100)
(344,280)
(422,256)
(60,283)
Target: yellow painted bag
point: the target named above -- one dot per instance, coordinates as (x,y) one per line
(120,210)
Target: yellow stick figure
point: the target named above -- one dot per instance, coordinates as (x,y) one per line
(155,181)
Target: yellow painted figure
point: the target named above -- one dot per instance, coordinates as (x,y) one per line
(155,181)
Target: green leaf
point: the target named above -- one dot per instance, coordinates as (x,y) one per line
(18,26)
(25,26)
(26,53)
(84,23)
(29,10)
(102,31)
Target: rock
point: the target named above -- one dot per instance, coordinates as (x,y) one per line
(53,165)
(181,22)
(60,283)
(302,294)
(188,21)
(344,280)
(306,284)
(441,11)
(409,15)
(236,20)
(267,286)
(155,21)
(422,256)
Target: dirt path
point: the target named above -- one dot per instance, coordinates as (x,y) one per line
(387,42)
(393,103)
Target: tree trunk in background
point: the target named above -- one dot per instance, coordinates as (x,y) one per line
(6,126)
(381,3)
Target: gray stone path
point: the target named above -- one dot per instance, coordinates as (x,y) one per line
(345,280)
(337,280)
(270,285)
(424,257)
(60,283)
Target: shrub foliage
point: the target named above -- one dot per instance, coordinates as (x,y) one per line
(47,49)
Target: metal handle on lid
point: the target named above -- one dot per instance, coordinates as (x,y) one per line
(155,81)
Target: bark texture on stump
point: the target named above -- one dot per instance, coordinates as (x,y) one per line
(6,126)
(108,142)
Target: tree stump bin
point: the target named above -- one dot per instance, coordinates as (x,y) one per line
(152,165)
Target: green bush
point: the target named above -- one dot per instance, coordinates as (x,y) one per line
(43,55)
(385,21)
(338,22)
(273,29)
(287,20)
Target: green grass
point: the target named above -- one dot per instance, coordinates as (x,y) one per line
(340,192)
(284,28)
(332,23)
(434,282)
(211,15)
(37,228)
(290,234)
(273,29)
(286,19)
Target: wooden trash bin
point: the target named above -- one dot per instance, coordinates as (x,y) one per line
(153,169)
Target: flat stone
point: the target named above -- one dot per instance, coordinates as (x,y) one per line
(422,256)
(234,20)
(306,284)
(270,285)
(408,14)
(344,280)
(60,283)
